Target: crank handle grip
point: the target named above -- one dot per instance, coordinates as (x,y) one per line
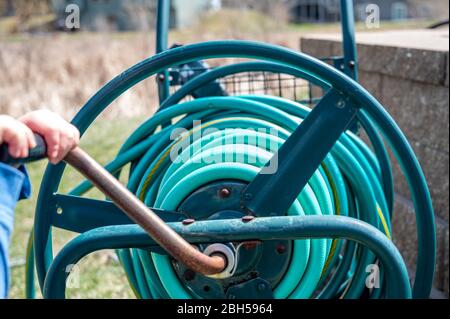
(173,243)
(35,154)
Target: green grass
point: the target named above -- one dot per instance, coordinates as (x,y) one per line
(101,276)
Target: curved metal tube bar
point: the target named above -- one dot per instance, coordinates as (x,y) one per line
(272,228)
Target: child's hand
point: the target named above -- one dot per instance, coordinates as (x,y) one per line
(60,136)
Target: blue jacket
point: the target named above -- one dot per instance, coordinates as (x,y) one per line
(14,185)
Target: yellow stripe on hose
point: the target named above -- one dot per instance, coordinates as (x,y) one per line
(338,212)
(153,171)
(383,222)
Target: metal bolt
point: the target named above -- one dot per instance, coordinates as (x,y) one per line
(188,221)
(262,286)
(250,245)
(248,218)
(340,104)
(281,249)
(206,288)
(224,193)
(59,210)
(189,275)
(352,64)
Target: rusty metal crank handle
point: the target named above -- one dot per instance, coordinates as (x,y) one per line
(168,239)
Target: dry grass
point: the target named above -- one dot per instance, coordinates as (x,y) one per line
(61,71)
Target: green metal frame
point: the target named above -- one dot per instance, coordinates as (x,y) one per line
(347,87)
(132,236)
(348,63)
(102,226)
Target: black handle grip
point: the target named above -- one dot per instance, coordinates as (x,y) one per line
(35,154)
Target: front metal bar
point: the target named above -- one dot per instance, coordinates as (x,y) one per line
(296,161)
(162,40)
(349,41)
(173,243)
(274,228)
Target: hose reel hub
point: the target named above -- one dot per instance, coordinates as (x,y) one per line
(266,261)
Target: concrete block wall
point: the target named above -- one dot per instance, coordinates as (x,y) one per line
(407,71)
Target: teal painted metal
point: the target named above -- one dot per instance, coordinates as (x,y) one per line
(350,58)
(78,214)
(272,228)
(254,50)
(319,131)
(162,40)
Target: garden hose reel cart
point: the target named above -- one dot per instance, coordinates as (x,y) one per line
(272,196)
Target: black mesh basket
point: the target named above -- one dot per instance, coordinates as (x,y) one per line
(248,83)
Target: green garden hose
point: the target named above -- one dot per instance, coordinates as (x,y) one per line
(236,137)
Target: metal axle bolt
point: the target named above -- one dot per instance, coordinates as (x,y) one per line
(281,249)
(224,193)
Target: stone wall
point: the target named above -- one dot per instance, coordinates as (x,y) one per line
(408,72)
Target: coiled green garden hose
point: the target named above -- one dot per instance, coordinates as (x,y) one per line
(227,145)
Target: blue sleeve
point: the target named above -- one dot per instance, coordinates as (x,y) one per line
(14,185)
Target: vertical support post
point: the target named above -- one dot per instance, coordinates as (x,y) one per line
(349,41)
(162,39)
